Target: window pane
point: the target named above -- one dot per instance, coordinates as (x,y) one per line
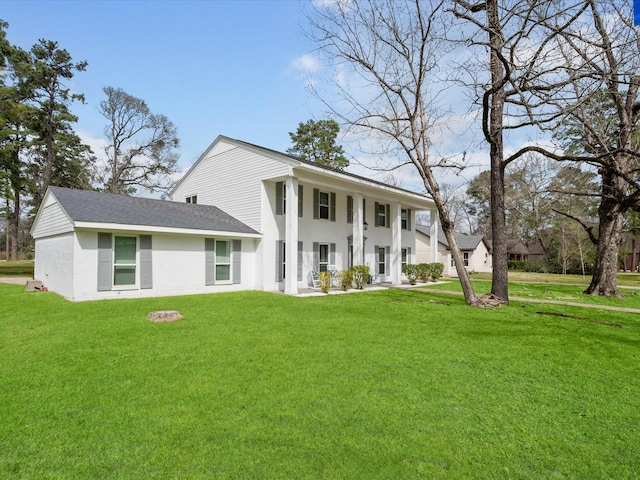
(223,272)
(125,250)
(223,251)
(324,198)
(124,275)
(324,253)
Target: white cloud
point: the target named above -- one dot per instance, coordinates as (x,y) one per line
(306,63)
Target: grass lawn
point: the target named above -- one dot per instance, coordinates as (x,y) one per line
(21,269)
(387,384)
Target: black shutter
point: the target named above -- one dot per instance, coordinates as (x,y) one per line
(299,261)
(316,203)
(279,258)
(279,197)
(300,204)
(332,207)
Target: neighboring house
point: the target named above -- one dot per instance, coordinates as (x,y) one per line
(517,250)
(475,249)
(243,218)
(92,245)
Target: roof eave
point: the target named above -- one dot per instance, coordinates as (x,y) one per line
(157,229)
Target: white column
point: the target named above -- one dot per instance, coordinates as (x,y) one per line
(358,230)
(291,237)
(396,244)
(433,236)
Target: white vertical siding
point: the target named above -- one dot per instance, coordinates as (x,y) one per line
(54,263)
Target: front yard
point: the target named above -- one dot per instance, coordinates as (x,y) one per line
(386,384)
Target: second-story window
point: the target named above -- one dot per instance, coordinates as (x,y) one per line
(324,205)
(192,199)
(382,215)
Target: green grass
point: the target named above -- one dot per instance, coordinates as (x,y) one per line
(386,384)
(546,291)
(19,269)
(624,279)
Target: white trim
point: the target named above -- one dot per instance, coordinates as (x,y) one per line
(155,229)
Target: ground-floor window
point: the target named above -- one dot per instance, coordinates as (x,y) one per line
(381,260)
(323,258)
(405,254)
(124,261)
(223,260)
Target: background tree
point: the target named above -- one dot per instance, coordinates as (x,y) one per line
(141,150)
(316,142)
(15,135)
(60,157)
(603,128)
(394,49)
(521,66)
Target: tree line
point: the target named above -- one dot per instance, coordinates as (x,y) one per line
(39,147)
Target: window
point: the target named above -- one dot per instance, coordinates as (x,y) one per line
(124,261)
(223,261)
(465,257)
(324,205)
(349,209)
(381,215)
(192,199)
(405,255)
(404,219)
(323,211)
(381,260)
(281,199)
(323,261)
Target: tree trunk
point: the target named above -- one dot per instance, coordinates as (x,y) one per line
(500,275)
(15,226)
(605,275)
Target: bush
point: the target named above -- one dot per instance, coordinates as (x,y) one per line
(436,271)
(360,275)
(325,281)
(429,272)
(411,271)
(345,277)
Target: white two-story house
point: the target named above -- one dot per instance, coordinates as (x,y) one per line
(243,217)
(312,218)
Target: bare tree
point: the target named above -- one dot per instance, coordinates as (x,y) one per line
(141,150)
(601,126)
(394,49)
(522,65)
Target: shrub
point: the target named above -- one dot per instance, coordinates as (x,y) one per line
(411,271)
(436,270)
(429,272)
(423,272)
(345,277)
(360,275)
(325,281)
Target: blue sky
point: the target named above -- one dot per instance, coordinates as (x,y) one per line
(212,67)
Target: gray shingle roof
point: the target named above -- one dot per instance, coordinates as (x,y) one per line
(465,242)
(97,207)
